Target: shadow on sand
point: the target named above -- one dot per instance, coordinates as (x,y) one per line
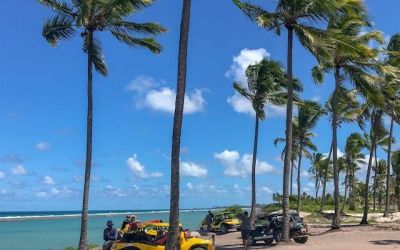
(386,242)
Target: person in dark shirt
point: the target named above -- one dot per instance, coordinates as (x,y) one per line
(209,219)
(245,231)
(110,234)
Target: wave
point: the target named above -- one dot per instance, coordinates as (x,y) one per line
(59,215)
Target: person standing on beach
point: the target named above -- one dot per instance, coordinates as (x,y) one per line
(109,235)
(245,231)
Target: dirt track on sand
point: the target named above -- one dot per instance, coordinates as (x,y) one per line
(349,237)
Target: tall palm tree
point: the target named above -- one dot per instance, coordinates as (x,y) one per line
(351,59)
(396,170)
(298,18)
(308,116)
(88,18)
(393,109)
(173,241)
(265,83)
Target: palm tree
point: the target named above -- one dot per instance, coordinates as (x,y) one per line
(308,116)
(396,170)
(88,18)
(173,241)
(316,170)
(379,180)
(351,59)
(265,83)
(351,159)
(297,17)
(348,110)
(394,109)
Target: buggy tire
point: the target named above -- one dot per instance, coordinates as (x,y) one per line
(198,248)
(301,240)
(251,241)
(268,242)
(224,229)
(278,236)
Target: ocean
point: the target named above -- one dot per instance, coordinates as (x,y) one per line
(58,230)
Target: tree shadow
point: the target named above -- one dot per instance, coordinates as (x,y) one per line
(385,242)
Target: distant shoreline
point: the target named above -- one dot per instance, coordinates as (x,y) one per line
(54,216)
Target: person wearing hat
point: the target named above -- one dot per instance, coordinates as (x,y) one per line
(109,235)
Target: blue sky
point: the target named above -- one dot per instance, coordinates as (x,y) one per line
(43,107)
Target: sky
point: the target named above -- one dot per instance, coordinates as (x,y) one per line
(43,112)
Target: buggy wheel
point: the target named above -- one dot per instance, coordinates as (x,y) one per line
(224,228)
(301,240)
(251,241)
(198,248)
(268,242)
(277,236)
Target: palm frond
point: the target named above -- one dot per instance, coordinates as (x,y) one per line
(97,56)
(148,43)
(58,28)
(59,7)
(129,27)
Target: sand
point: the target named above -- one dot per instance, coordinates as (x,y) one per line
(349,237)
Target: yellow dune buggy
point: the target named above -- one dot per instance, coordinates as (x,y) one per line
(153,236)
(222,222)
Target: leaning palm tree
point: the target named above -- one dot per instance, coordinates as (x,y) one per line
(266,83)
(379,180)
(88,18)
(351,59)
(173,241)
(299,18)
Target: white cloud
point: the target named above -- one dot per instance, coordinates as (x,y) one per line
(19,170)
(139,169)
(266,190)
(48,180)
(304,173)
(42,146)
(52,192)
(2,175)
(149,94)
(141,84)
(306,189)
(245,58)
(193,169)
(163,99)
(240,166)
(113,191)
(189,185)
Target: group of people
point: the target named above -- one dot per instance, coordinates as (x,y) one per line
(110,234)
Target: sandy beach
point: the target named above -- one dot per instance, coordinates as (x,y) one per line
(349,237)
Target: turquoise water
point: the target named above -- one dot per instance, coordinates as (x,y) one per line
(60,232)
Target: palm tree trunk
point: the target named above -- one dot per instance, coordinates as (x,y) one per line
(253,175)
(317,183)
(289,139)
(375,181)
(375,120)
(298,177)
(173,241)
(291,177)
(397,191)
(336,217)
(88,163)
(345,188)
(386,213)
(325,179)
